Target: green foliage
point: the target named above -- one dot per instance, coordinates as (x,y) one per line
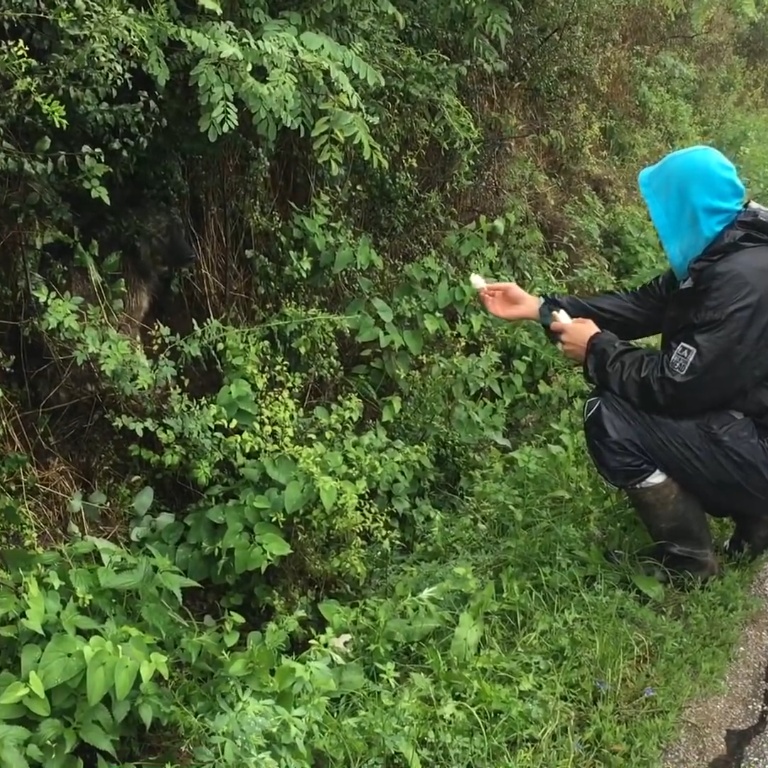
(326,431)
(75,666)
(528,652)
(96,651)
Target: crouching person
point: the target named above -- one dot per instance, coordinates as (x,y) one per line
(682,429)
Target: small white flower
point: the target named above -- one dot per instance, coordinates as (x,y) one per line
(478,283)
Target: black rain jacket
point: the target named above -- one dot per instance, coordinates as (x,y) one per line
(713,326)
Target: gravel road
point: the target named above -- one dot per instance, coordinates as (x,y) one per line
(728,730)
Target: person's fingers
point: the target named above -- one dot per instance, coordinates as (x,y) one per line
(499,288)
(488,300)
(557,327)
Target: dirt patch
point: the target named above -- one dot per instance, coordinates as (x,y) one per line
(725,730)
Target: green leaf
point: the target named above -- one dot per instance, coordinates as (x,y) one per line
(294,497)
(163,520)
(328,493)
(147,669)
(11,757)
(409,752)
(388,412)
(15,560)
(94,734)
(257,560)
(30,656)
(121,709)
(216,514)
(466,637)
(210,5)
(239,667)
(99,677)
(391,408)
(384,310)
(126,670)
(122,580)
(432,323)
(251,474)
(344,257)
(36,684)
(143,500)
(312,41)
(284,676)
(275,545)
(94,504)
(444,297)
(242,558)
(14,693)
(499,439)
(330,609)
(35,613)
(145,713)
(40,707)
(413,341)
(281,470)
(50,730)
(352,677)
(43,144)
(75,504)
(649,586)
(176,582)
(12,711)
(97,497)
(14,734)
(368,333)
(261,528)
(61,660)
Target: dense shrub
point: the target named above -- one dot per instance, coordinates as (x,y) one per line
(323,510)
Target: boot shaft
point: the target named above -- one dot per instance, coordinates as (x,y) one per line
(678,525)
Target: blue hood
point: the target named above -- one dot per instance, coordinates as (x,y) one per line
(692,196)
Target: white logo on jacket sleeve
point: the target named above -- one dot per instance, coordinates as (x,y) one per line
(682,358)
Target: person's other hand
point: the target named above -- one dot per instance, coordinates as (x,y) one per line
(574,337)
(510,302)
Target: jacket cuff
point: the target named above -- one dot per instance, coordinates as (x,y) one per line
(546,305)
(591,368)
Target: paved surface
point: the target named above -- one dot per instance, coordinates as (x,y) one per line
(702,742)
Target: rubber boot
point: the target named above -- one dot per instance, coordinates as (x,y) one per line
(679,528)
(750,536)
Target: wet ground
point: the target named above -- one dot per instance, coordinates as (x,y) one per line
(728,730)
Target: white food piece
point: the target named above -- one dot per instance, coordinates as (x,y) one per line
(561,316)
(477,282)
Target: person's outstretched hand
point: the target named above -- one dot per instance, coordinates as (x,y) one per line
(510,302)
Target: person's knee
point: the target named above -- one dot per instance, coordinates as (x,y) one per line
(591,405)
(604,418)
(613,437)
